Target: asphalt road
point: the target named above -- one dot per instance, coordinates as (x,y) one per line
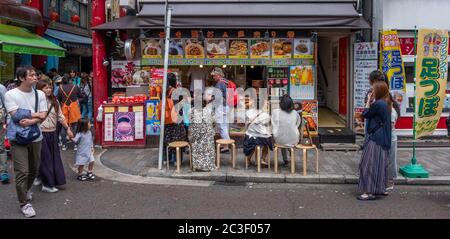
(109,199)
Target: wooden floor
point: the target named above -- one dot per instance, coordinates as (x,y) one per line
(328,118)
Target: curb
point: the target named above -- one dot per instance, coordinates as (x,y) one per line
(251,176)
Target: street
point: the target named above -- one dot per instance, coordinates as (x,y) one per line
(109,199)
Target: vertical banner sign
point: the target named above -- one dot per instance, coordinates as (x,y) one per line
(431,79)
(365,61)
(343,46)
(392,65)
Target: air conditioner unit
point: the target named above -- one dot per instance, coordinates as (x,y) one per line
(128,4)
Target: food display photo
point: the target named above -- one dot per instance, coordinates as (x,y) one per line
(238,49)
(303,48)
(216,48)
(310,114)
(193,48)
(151,48)
(259,48)
(281,48)
(176,48)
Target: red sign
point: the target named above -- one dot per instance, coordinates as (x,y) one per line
(407,45)
(343,46)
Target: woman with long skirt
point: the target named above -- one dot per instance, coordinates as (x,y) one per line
(373,168)
(51,170)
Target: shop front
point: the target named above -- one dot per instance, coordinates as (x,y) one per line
(275,51)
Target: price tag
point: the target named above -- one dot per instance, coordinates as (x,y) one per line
(123,108)
(138,108)
(109,109)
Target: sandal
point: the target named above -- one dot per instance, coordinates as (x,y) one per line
(366,197)
(82,177)
(90,176)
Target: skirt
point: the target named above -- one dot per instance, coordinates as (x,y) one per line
(250,144)
(51,170)
(373,169)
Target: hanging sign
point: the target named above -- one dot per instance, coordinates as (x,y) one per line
(431,79)
(392,65)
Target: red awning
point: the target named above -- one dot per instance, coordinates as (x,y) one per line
(20,13)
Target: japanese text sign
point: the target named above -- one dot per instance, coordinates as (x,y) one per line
(431,79)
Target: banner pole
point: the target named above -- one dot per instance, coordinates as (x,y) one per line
(414,170)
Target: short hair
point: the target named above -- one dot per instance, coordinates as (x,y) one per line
(171,80)
(286,103)
(377,76)
(22,72)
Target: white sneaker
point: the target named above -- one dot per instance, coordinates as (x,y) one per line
(75,148)
(37,182)
(29,195)
(64,148)
(49,190)
(28,210)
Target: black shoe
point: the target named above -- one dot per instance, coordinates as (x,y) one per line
(91,176)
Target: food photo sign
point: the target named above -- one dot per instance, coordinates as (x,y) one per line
(194,48)
(176,49)
(152,48)
(303,48)
(281,48)
(124,126)
(259,48)
(216,48)
(122,73)
(238,49)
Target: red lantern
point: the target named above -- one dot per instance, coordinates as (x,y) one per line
(54,16)
(28,3)
(75,18)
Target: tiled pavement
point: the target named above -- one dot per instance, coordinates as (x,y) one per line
(334,166)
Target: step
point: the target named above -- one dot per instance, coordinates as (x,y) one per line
(340,147)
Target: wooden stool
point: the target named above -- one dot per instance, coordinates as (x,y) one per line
(305,157)
(258,158)
(277,146)
(220,142)
(178,145)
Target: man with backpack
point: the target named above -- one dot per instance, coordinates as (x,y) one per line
(27,107)
(229,100)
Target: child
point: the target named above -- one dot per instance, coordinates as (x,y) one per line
(85,152)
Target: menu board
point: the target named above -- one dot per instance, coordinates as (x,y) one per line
(259,48)
(124,126)
(303,48)
(151,48)
(176,49)
(216,48)
(123,74)
(193,48)
(301,82)
(238,49)
(310,112)
(281,48)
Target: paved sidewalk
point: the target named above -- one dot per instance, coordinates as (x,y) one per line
(334,167)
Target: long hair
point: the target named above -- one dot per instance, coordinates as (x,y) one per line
(381,92)
(53,101)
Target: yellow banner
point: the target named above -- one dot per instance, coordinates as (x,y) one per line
(431,79)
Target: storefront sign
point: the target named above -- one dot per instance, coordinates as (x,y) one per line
(229,62)
(301,85)
(431,79)
(366,60)
(343,46)
(303,48)
(407,46)
(392,65)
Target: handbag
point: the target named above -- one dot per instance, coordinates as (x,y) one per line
(32,132)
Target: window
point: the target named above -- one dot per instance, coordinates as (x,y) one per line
(66,9)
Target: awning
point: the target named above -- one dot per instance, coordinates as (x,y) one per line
(123,23)
(19,40)
(293,15)
(70,40)
(20,13)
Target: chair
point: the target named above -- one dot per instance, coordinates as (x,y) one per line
(220,142)
(178,145)
(258,159)
(305,149)
(291,149)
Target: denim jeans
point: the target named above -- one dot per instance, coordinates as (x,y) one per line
(222,121)
(86,110)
